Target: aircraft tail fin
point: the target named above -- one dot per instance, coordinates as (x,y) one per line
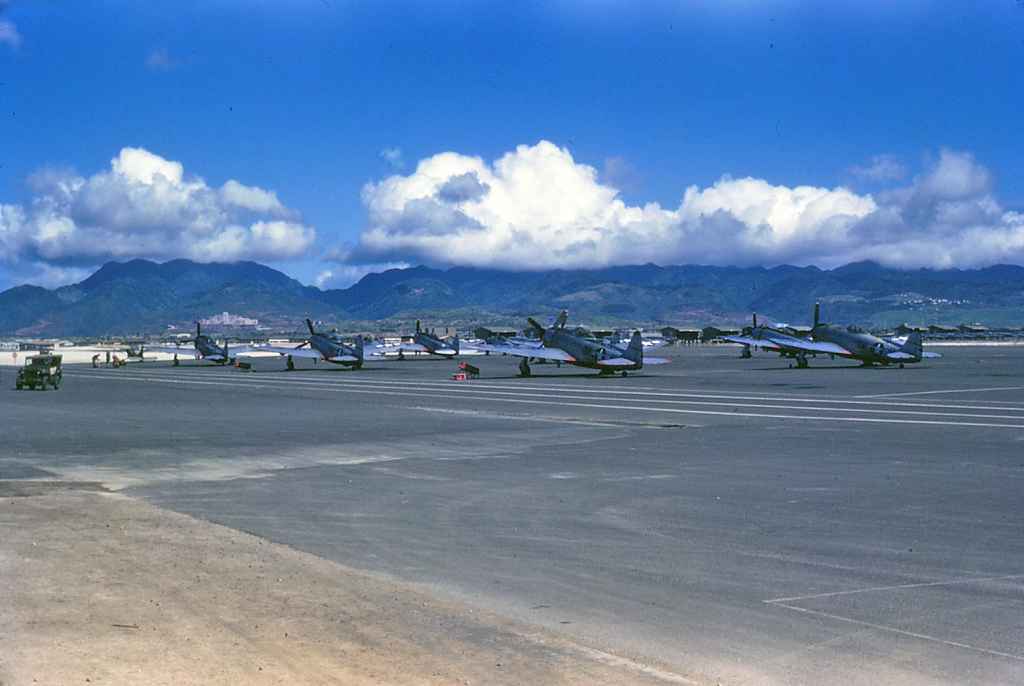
(755,320)
(635,350)
(817,314)
(913,345)
(360,344)
(198,330)
(535,325)
(309,325)
(418,329)
(561,319)
(455,344)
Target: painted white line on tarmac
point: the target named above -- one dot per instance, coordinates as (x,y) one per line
(633,408)
(527,418)
(897,587)
(456,391)
(952,390)
(432,386)
(901,632)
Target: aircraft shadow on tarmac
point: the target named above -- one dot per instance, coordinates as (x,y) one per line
(570,375)
(837,368)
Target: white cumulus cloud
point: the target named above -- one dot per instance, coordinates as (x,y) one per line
(147,206)
(536,207)
(880,168)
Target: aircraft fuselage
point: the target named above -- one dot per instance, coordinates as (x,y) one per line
(587,353)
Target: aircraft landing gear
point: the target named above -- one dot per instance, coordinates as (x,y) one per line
(901,365)
(801,361)
(745,353)
(524,367)
(625,374)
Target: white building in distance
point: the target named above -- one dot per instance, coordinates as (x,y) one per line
(228,319)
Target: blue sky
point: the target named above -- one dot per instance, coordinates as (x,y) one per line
(301,98)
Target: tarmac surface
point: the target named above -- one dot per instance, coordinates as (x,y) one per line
(736,520)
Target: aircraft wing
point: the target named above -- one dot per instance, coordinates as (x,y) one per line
(814,347)
(171,350)
(294,352)
(234,350)
(616,362)
(540,353)
(931,356)
(408,348)
(343,358)
(765,343)
(655,360)
(377,349)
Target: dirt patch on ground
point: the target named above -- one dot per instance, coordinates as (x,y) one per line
(103,589)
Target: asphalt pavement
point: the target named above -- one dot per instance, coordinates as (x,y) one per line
(737,520)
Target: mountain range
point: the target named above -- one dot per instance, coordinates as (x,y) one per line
(141,296)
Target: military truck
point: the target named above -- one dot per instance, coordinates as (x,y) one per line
(39,372)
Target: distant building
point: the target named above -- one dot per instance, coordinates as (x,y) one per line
(35,346)
(712,333)
(674,334)
(906,329)
(228,319)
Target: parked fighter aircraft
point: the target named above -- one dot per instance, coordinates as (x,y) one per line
(324,346)
(767,336)
(562,346)
(616,341)
(843,341)
(203,347)
(424,342)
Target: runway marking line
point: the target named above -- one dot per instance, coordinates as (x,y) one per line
(901,632)
(787,603)
(926,584)
(555,420)
(633,408)
(952,390)
(576,395)
(479,387)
